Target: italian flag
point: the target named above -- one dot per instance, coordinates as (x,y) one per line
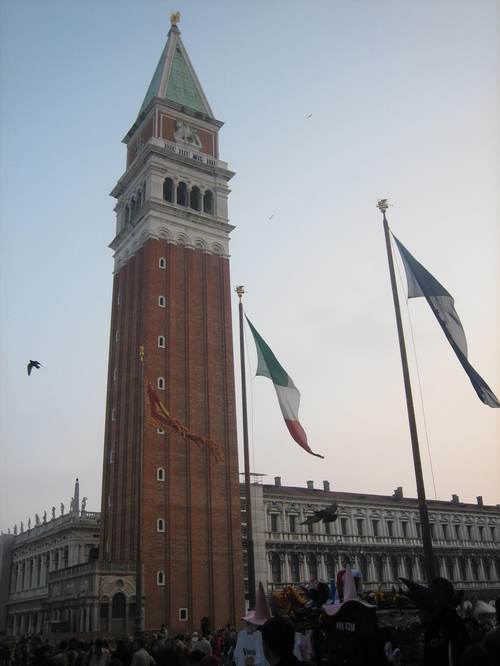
(288,395)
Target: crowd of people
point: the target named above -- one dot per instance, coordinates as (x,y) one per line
(348,634)
(213,649)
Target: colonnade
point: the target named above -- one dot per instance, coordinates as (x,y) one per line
(31,572)
(377,568)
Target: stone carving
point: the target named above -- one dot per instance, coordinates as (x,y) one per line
(187,135)
(22,527)
(107,585)
(15,528)
(84,504)
(53,512)
(62,509)
(72,505)
(37,519)
(45,516)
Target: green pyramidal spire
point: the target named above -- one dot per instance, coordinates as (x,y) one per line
(175,80)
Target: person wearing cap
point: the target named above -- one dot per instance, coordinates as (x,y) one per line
(249,650)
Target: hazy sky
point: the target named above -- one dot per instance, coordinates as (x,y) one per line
(405,101)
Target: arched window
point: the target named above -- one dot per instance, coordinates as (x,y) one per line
(118,606)
(462,565)
(160,525)
(313,565)
(409,567)
(162,263)
(162,302)
(182,192)
(160,383)
(195,198)
(161,341)
(475,568)
(394,568)
(103,610)
(133,208)
(160,431)
(160,578)
(330,567)
(276,568)
(208,202)
(363,565)
(294,568)
(160,474)
(168,190)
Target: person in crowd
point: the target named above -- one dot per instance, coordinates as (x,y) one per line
(249,650)
(141,656)
(445,634)
(99,655)
(278,639)
(204,646)
(491,640)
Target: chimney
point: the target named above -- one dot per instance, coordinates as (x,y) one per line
(398,493)
(310,485)
(455,499)
(277,481)
(480,500)
(326,486)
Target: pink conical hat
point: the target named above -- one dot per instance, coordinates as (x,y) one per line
(261,613)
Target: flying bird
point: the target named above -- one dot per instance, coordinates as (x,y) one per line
(270,217)
(307,117)
(326,515)
(33,364)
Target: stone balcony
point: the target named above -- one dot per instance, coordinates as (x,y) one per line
(368,540)
(84,518)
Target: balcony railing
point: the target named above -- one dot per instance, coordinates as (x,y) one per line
(358,540)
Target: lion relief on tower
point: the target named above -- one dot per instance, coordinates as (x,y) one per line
(186,135)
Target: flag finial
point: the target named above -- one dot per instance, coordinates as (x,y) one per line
(175,17)
(382,205)
(240,290)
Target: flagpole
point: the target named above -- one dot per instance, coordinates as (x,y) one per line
(248,498)
(422,503)
(139,615)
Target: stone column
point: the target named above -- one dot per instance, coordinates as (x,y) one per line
(285,571)
(95,616)
(372,573)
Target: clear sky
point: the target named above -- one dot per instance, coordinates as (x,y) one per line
(405,101)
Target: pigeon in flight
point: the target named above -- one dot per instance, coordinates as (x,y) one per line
(33,364)
(270,218)
(328,515)
(307,117)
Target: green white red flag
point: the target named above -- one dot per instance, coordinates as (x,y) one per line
(288,394)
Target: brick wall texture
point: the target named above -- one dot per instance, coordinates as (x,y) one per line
(200,550)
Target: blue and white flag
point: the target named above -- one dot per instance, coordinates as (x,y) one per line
(422,283)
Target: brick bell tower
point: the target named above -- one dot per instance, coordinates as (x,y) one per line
(171,295)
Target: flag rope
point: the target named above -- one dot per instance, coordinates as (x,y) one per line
(420,390)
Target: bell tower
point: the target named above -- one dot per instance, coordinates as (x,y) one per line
(163,495)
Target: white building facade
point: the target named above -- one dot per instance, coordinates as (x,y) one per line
(377,534)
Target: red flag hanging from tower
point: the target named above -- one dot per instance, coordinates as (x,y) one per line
(160,414)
